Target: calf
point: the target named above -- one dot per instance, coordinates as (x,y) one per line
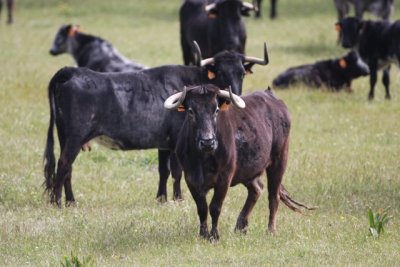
(10,10)
(91,51)
(220,147)
(380,8)
(333,74)
(378,44)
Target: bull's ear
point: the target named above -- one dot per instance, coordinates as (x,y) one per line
(212,14)
(181,108)
(247,68)
(342,63)
(338,27)
(224,106)
(72,31)
(211,74)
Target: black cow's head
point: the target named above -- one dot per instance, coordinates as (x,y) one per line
(228,68)
(60,43)
(202,105)
(229,8)
(353,65)
(349,31)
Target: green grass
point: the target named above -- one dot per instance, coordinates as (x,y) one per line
(344,153)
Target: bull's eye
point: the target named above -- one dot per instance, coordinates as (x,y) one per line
(191,112)
(216,111)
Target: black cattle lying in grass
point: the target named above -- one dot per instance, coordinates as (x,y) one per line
(380,8)
(333,74)
(219,147)
(91,51)
(125,110)
(215,25)
(377,43)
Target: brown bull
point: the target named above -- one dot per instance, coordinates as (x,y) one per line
(220,147)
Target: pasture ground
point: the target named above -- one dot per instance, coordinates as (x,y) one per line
(344,153)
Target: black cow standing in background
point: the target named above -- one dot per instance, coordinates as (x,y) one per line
(91,51)
(125,111)
(272,10)
(10,10)
(216,26)
(334,74)
(221,146)
(378,44)
(380,8)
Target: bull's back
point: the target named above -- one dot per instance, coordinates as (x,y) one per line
(262,130)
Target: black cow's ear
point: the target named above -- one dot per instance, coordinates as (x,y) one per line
(247,68)
(212,14)
(245,11)
(342,63)
(211,74)
(338,27)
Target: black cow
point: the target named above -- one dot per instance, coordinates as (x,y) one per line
(378,44)
(220,147)
(91,51)
(10,10)
(125,111)
(333,74)
(272,10)
(216,26)
(380,8)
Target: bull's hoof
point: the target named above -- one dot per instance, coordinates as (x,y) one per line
(241,226)
(370,97)
(388,97)
(204,232)
(70,203)
(161,199)
(178,197)
(214,236)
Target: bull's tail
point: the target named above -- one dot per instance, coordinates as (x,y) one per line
(291,203)
(48,157)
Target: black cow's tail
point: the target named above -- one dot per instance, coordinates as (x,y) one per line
(291,203)
(48,158)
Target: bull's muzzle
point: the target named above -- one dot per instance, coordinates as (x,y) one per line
(208,145)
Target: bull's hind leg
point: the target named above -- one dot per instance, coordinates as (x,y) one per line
(275,175)
(386,81)
(254,189)
(176,172)
(163,170)
(64,170)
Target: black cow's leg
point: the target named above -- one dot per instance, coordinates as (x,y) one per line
(272,14)
(372,80)
(254,189)
(220,191)
(1,6)
(163,170)
(202,210)
(386,81)
(10,9)
(176,172)
(64,170)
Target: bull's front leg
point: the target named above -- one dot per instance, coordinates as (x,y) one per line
(372,79)
(176,172)
(220,191)
(386,82)
(202,210)
(163,170)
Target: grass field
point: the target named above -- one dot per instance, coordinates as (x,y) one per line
(344,154)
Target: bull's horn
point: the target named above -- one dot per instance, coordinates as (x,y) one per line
(259,60)
(210,7)
(249,6)
(175,100)
(207,61)
(236,100)
(197,52)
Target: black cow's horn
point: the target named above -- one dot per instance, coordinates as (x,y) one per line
(259,60)
(197,53)
(210,7)
(236,100)
(207,61)
(249,6)
(175,100)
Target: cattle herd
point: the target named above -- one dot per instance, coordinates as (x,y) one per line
(194,113)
